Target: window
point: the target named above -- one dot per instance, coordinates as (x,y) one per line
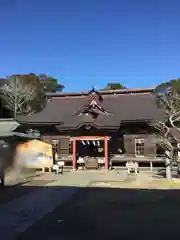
(139,147)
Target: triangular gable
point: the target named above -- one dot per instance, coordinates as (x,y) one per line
(94,105)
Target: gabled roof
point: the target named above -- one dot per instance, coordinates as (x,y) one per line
(8,127)
(125,105)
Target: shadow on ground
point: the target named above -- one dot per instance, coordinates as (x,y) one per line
(161,173)
(107,213)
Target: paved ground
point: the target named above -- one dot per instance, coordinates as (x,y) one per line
(25,184)
(92,205)
(23,211)
(110,213)
(102,212)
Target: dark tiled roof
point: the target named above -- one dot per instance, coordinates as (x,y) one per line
(124,107)
(102,121)
(56,111)
(132,106)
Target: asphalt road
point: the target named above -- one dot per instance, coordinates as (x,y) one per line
(109,213)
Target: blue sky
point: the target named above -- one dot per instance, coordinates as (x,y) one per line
(85,43)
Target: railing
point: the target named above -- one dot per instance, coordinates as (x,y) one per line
(120,158)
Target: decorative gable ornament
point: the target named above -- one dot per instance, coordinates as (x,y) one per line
(94,106)
(95,95)
(87,127)
(93,103)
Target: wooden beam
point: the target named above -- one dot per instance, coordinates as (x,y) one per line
(79,138)
(106,155)
(74,154)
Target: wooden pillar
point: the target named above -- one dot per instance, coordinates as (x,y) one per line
(106,152)
(74,154)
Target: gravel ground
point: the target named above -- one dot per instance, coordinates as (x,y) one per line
(111,213)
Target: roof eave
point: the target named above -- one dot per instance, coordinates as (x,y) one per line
(65,127)
(40,123)
(137,121)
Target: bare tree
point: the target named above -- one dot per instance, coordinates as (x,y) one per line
(22,94)
(167,98)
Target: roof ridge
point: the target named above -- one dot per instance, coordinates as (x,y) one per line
(103,92)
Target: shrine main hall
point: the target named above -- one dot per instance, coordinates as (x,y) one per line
(99,127)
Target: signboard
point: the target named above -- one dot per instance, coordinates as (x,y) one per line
(34,154)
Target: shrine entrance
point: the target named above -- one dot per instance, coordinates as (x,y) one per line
(93,145)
